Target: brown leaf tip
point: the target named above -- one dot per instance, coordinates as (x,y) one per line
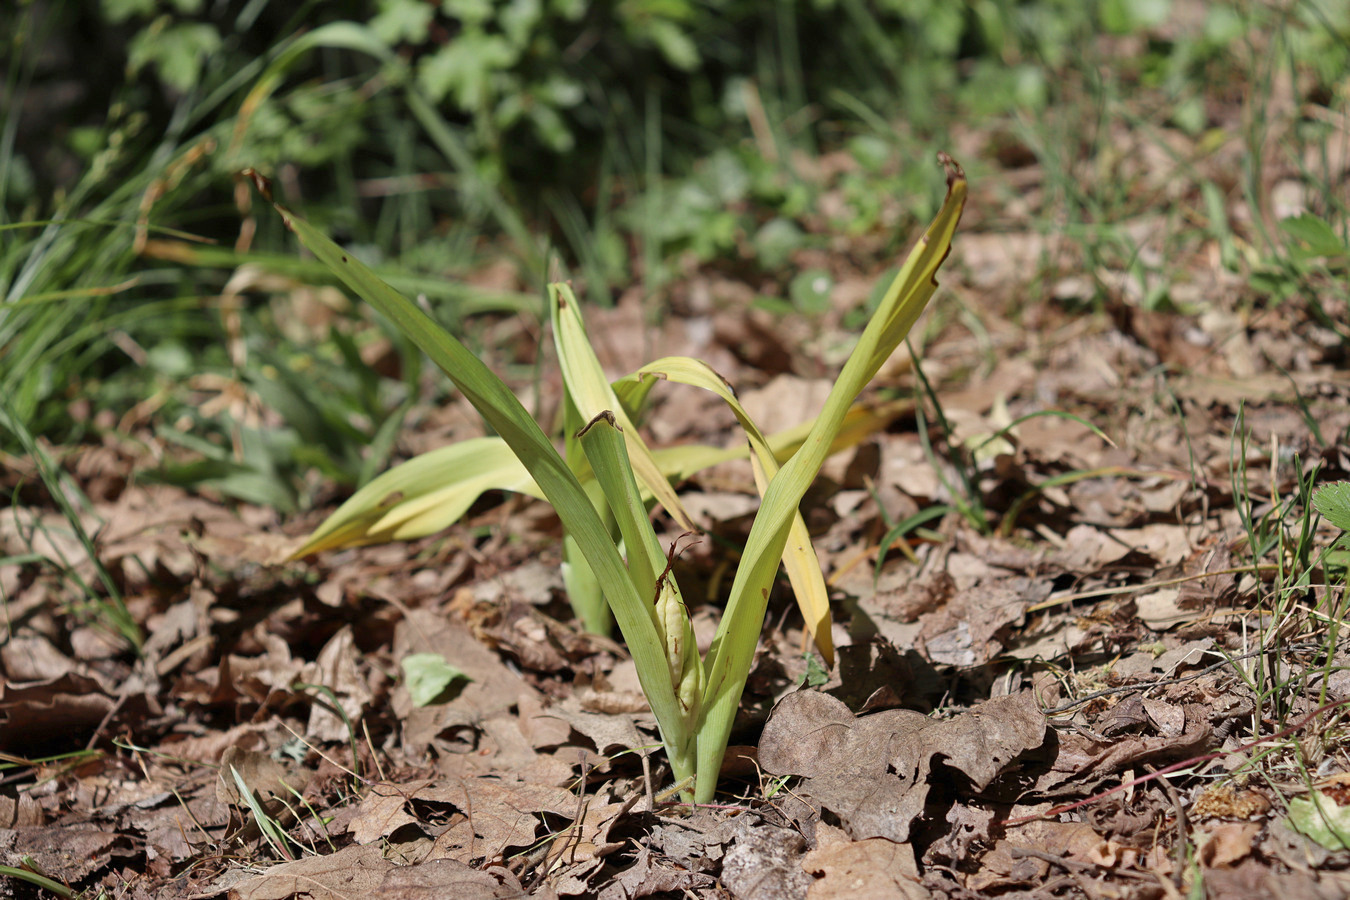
(954,170)
(260,181)
(730,387)
(605,415)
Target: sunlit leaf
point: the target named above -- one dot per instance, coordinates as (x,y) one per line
(428,676)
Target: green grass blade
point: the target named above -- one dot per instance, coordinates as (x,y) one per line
(799,555)
(613,471)
(592,394)
(583,590)
(734,646)
(504,412)
(605,447)
(41,881)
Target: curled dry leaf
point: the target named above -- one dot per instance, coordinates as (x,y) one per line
(651,874)
(1228,843)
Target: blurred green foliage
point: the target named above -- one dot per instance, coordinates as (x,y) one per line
(542,90)
(622,138)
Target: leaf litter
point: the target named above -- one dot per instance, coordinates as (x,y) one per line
(1009,687)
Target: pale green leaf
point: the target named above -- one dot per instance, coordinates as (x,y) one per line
(1321,819)
(590,391)
(607,451)
(422,496)
(428,676)
(1333,501)
(430,492)
(799,556)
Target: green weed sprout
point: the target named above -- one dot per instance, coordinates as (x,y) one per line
(693,698)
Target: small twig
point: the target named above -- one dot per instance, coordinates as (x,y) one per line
(671,556)
(1148,585)
(1185,763)
(1183,826)
(1148,685)
(1061,861)
(647,781)
(573,839)
(1070,865)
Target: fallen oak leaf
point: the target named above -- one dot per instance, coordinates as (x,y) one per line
(873,771)
(439,878)
(871,869)
(355,871)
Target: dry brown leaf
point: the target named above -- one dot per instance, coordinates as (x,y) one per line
(496,815)
(1001,868)
(649,875)
(1082,758)
(68,854)
(976,625)
(383,811)
(872,869)
(1164,543)
(764,864)
(446,878)
(20,812)
(1168,718)
(1088,549)
(609,732)
(355,871)
(1228,843)
(31,657)
(493,690)
(248,680)
(1251,880)
(970,825)
(34,713)
(1220,589)
(336,669)
(873,771)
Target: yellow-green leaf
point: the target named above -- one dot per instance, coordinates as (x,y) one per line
(508,418)
(422,496)
(732,652)
(592,394)
(799,555)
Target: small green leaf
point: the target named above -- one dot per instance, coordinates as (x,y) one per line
(674,44)
(429,676)
(1314,234)
(815,674)
(1318,817)
(1333,501)
(403,20)
(810,291)
(179,51)
(776,241)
